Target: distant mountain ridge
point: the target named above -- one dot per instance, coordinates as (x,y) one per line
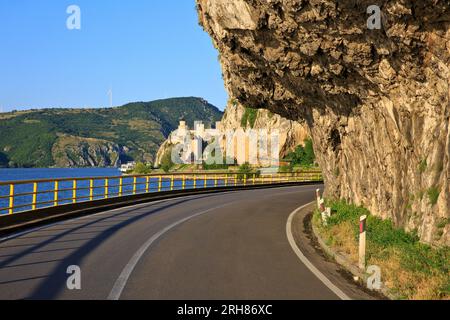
(95,137)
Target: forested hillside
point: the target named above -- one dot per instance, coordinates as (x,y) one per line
(95,137)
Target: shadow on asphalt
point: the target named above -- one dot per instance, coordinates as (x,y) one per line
(56,281)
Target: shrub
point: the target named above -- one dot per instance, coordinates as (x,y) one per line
(142,168)
(286,169)
(247,171)
(303,155)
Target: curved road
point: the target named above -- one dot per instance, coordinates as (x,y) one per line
(219,246)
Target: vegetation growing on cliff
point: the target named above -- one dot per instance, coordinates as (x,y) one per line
(137,129)
(433,195)
(249,118)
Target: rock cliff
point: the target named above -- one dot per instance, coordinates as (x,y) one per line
(70,151)
(291,133)
(376,101)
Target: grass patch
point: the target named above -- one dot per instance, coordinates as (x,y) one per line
(410,269)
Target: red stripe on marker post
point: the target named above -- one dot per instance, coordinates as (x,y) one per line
(362,224)
(362,243)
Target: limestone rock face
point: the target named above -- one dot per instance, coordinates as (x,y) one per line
(163,149)
(376,101)
(291,133)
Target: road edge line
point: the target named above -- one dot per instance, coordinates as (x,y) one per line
(305,260)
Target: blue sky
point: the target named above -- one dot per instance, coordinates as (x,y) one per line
(143,49)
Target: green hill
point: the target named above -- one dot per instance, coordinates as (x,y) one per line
(95,137)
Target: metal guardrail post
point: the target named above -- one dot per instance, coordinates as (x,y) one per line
(159,183)
(35,190)
(74,191)
(171,183)
(147,184)
(183,182)
(11,198)
(91,189)
(120,186)
(134,185)
(55,194)
(106,188)
(205,183)
(195,182)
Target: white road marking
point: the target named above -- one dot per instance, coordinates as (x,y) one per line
(308,263)
(122,280)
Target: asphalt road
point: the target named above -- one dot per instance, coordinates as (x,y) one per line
(218,246)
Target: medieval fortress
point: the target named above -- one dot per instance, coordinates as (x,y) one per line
(259,147)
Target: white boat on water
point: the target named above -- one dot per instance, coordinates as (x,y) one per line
(124,168)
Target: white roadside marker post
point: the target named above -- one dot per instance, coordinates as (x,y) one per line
(318,196)
(362,243)
(322,205)
(323,211)
(328,211)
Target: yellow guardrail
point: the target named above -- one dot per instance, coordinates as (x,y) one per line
(21,196)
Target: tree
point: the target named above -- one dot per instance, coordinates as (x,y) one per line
(303,155)
(166,161)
